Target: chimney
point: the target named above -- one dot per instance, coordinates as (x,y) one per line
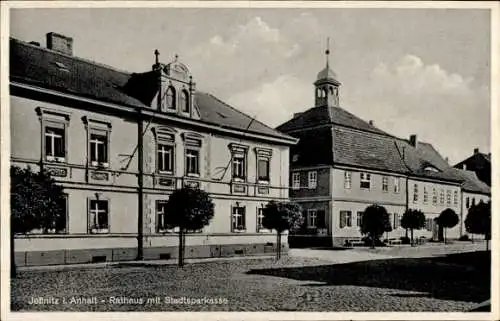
(370,122)
(476,150)
(60,43)
(413,140)
(464,167)
(447,160)
(34,43)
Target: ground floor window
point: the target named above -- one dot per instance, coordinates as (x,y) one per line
(160,216)
(98,216)
(345,219)
(397,221)
(429,224)
(238,221)
(359,219)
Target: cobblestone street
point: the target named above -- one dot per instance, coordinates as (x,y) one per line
(297,283)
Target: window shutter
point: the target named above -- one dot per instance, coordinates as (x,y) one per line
(342,219)
(321,219)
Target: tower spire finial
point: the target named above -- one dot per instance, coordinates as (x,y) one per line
(157,54)
(327,51)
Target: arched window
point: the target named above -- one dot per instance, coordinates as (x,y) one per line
(184,101)
(331,90)
(324,93)
(171,97)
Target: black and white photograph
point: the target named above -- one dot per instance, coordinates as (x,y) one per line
(249,157)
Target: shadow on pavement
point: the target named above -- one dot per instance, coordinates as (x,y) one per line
(458,277)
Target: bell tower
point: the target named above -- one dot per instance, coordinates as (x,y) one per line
(326,84)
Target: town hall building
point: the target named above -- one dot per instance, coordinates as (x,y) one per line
(342,164)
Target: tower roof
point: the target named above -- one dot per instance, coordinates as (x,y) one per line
(327,74)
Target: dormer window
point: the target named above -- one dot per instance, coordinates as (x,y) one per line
(431,169)
(184,101)
(171,98)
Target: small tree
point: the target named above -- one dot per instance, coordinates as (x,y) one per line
(282,216)
(447,219)
(35,203)
(478,220)
(188,209)
(374,222)
(413,220)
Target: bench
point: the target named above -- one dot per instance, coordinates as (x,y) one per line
(395,241)
(355,242)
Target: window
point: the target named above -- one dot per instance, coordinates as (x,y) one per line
(441,196)
(54,126)
(312,179)
(239,161)
(98,149)
(345,219)
(239,167)
(448,197)
(415,193)
(98,216)
(312,217)
(397,221)
(238,222)
(55,148)
(295,180)
(385,183)
(192,153)
(263,169)
(192,162)
(397,184)
(347,179)
(184,101)
(359,219)
(171,98)
(467,202)
(260,218)
(160,216)
(165,149)
(455,198)
(365,180)
(165,158)
(473,201)
(429,224)
(434,196)
(426,195)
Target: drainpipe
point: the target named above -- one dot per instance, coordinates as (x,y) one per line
(461,212)
(140,181)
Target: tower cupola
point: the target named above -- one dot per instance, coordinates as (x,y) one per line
(327,85)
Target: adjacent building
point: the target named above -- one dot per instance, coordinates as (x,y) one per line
(121,142)
(473,192)
(480,163)
(342,164)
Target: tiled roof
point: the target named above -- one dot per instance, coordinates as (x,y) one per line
(366,149)
(349,140)
(45,68)
(471,182)
(328,115)
(424,161)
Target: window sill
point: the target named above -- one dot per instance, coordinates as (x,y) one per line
(264,231)
(239,180)
(193,175)
(55,159)
(99,165)
(165,173)
(263,182)
(99,231)
(239,231)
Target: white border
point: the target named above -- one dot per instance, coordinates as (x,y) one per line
(5,152)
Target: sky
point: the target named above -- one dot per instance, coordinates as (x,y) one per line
(411,71)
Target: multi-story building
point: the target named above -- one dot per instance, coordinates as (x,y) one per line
(473,192)
(343,164)
(120,143)
(480,163)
